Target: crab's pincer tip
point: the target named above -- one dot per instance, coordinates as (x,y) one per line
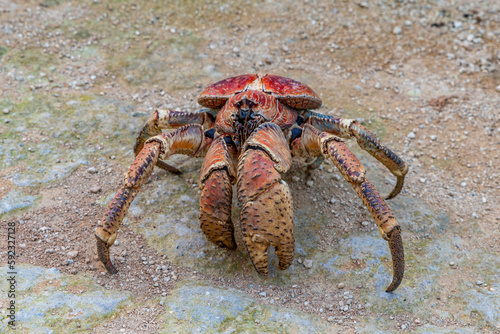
(398,258)
(103,253)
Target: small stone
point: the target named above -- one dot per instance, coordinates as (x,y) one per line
(479,283)
(341,285)
(310,184)
(308,264)
(72,254)
(333,200)
(417,321)
(22,245)
(397,31)
(433,137)
(403,326)
(411,135)
(91,170)
(474,215)
(365,223)
(295,178)
(263,294)
(452,264)
(457,24)
(463,184)
(95,190)
(363,4)
(422,180)
(498,88)
(6,111)
(330,319)
(49,251)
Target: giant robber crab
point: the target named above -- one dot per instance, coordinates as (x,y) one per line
(253,126)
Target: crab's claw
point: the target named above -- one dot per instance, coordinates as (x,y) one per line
(267,213)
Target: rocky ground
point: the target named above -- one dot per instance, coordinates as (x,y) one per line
(79,78)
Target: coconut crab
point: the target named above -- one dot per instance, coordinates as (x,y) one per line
(248,132)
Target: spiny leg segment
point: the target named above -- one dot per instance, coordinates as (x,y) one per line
(163,119)
(346,128)
(189,140)
(312,142)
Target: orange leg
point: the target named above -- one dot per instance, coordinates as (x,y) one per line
(163,119)
(189,140)
(313,142)
(267,213)
(346,128)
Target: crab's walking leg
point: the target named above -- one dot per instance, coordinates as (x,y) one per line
(217,177)
(347,128)
(163,119)
(313,142)
(267,213)
(189,140)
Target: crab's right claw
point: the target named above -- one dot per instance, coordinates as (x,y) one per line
(103,253)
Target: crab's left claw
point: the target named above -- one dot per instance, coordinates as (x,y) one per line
(267,212)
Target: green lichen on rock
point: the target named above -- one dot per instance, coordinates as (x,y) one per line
(196,307)
(50,302)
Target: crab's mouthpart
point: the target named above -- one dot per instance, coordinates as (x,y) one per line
(246,120)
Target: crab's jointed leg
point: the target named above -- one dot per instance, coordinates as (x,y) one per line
(189,140)
(312,142)
(163,119)
(217,177)
(346,128)
(267,212)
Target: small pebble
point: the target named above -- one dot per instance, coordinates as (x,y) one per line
(479,283)
(365,223)
(6,111)
(411,135)
(72,254)
(91,170)
(95,190)
(263,294)
(308,264)
(452,264)
(417,321)
(49,251)
(310,184)
(295,178)
(341,285)
(433,137)
(22,245)
(403,326)
(498,88)
(397,31)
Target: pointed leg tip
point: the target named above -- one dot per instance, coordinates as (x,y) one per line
(103,253)
(168,168)
(398,260)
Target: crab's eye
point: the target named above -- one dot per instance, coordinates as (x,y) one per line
(251,104)
(238,104)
